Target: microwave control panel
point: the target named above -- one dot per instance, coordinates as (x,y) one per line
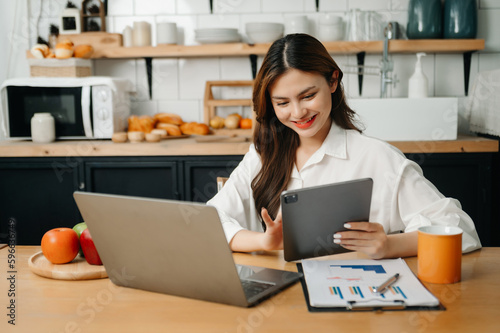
(109,111)
(102,106)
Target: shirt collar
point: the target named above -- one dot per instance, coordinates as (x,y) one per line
(335,145)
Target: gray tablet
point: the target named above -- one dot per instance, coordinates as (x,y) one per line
(312,215)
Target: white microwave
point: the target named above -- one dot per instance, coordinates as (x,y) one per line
(91,107)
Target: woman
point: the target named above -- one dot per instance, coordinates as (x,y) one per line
(306,136)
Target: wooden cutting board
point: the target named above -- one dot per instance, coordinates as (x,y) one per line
(221,138)
(78,269)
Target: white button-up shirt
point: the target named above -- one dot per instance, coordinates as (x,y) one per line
(402,200)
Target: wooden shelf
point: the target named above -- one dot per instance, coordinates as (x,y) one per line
(340,47)
(464,46)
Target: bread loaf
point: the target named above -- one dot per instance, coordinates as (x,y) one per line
(170,128)
(169,118)
(83,51)
(143,124)
(195,128)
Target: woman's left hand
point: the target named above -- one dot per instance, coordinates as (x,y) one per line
(366,237)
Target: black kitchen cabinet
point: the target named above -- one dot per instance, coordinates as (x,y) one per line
(467,178)
(201,175)
(38,194)
(144,177)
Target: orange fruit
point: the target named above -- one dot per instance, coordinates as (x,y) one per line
(246,123)
(60,245)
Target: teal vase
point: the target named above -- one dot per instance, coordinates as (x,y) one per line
(460,19)
(425,19)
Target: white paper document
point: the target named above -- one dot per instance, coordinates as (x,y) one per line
(338,283)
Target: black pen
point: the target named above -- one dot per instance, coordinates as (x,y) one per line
(384,286)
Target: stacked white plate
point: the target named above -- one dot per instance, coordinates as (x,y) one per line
(216,35)
(264,32)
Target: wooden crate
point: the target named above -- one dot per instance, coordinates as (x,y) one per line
(72,67)
(210,105)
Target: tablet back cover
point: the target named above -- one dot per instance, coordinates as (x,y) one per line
(312,215)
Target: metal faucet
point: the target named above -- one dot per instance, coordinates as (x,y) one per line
(386,66)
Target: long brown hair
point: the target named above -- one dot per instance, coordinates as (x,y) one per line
(276,143)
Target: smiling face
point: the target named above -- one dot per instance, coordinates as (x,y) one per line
(302,101)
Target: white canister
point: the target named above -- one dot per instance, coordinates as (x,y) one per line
(142,34)
(331,28)
(43,128)
(166,33)
(128,39)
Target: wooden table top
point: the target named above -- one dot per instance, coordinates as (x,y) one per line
(46,305)
(189,146)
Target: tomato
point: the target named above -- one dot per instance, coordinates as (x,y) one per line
(246,123)
(89,249)
(60,245)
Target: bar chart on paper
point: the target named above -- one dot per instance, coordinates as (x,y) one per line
(334,283)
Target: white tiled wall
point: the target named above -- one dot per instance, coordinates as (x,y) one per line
(178,84)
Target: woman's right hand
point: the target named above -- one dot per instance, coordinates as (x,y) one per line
(273,236)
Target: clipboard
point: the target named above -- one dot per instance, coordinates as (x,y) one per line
(353,306)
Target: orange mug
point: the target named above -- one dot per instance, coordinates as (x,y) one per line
(440,254)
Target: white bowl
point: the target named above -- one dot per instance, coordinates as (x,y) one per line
(263,26)
(297,24)
(330,19)
(257,37)
(264,32)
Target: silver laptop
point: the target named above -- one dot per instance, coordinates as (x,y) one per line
(173,247)
(312,215)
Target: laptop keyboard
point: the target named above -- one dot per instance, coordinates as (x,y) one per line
(253,288)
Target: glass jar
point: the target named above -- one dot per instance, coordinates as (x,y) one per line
(425,19)
(43,129)
(460,19)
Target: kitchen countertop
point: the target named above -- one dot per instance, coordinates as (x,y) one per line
(190,147)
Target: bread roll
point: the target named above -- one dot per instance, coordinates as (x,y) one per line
(195,128)
(84,51)
(169,118)
(163,133)
(153,137)
(135,136)
(40,51)
(170,128)
(119,137)
(143,124)
(67,42)
(64,50)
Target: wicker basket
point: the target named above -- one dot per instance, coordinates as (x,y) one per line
(72,67)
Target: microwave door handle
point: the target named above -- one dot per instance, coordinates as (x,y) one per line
(87,126)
